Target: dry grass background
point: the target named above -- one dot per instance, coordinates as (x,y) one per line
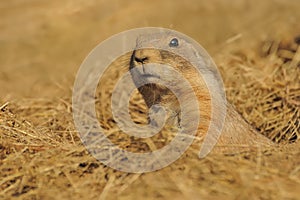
(255,44)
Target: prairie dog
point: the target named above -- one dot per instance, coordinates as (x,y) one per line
(236,131)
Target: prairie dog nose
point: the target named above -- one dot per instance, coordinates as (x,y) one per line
(139,56)
(140,60)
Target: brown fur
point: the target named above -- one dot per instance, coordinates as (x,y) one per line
(236,131)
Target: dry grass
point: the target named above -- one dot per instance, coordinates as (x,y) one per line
(264,85)
(42,156)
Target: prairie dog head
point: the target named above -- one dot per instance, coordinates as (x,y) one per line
(167,49)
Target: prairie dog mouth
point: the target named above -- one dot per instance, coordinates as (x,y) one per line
(144,75)
(150,75)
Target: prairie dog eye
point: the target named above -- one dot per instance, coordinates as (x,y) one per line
(174,42)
